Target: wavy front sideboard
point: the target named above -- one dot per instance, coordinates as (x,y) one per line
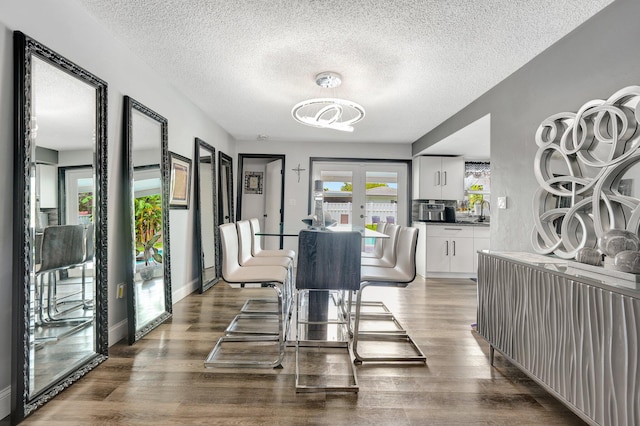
(577,337)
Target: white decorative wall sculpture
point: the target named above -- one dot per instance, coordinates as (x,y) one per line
(584,166)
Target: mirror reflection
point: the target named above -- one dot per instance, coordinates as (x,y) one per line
(226,188)
(63,279)
(149,292)
(206,213)
(60,180)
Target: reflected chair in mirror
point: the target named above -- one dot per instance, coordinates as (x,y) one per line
(388,256)
(256,247)
(379,243)
(389,344)
(62,248)
(253,339)
(328,265)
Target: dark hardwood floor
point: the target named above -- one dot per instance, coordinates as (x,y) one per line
(162,380)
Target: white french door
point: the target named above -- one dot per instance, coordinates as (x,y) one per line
(363,193)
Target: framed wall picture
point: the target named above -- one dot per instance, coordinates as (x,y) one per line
(180,181)
(253,182)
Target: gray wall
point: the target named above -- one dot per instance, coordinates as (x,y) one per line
(66,28)
(595,60)
(296,193)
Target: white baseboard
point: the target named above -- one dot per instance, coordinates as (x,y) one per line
(184,291)
(118,332)
(5,402)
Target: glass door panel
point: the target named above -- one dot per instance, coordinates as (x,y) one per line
(364,193)
(381,195)
(338,193)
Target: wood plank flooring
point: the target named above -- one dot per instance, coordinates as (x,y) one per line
(161,379)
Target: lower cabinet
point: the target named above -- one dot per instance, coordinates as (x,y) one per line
(450,249)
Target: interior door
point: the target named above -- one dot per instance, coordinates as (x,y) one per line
(272,215)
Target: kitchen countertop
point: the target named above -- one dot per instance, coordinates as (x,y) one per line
(458,223)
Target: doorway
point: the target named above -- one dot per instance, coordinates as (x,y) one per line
(364,192)
(75,195)
(261,194)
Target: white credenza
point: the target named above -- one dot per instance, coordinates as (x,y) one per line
(577,337)
(438,178)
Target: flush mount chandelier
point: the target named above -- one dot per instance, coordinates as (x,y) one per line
(328,113)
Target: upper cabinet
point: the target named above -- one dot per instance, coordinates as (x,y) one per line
(438,178)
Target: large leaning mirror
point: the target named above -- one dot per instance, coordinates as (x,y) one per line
(225,196)
(206,214)
(146,203)
(60,326)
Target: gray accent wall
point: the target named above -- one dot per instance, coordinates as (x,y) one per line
(68,29)
(592,62)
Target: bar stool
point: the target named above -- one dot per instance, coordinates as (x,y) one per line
(400,275)
(272,276)
(63,247)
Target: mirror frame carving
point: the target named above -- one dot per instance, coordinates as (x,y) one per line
(131,104)
(24,49)
(202,285)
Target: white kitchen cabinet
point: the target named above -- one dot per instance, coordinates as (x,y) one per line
(438,178)
(47,186)
(450,249)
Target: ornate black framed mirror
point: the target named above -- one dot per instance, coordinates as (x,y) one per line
(146,204)
(225,188)
(60,325)
(206,214)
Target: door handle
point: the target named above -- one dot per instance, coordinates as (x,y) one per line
(445,179)
(454,247)
(437,178)
(265,215)
(447,249)
(361,216)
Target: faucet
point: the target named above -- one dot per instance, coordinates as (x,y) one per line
(482,203)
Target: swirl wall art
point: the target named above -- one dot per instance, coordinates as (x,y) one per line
(585,169)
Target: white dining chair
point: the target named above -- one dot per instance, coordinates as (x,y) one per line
(256,247)
(378,245)
(388,258)
(400,275)
(272,276)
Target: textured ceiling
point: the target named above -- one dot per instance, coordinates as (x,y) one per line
(410,63)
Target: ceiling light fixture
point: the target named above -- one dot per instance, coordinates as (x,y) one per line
(328,113)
